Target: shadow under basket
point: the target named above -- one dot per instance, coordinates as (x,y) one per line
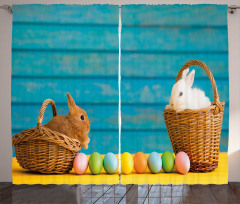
(43,150)
(197,132)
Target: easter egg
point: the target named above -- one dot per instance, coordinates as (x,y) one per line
(182,162)
(95,163)
(167,161)
(110,163)
(127,163)
(140,162)
(80,163)
(154,162)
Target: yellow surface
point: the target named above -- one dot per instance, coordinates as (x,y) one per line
(23,176)
(218,176)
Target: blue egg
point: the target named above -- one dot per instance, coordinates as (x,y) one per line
(154,162)
(110,163)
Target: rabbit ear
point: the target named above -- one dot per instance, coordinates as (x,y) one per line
(70,100)
(184,73)
(190,78)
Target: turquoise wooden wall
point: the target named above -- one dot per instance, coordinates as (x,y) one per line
(156,42)
(67,48)
(62,48)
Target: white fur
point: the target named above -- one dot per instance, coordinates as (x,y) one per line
(192,98)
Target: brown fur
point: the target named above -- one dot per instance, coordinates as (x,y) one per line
(72,125)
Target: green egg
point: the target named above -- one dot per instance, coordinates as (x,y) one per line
(167,162)
(95,163)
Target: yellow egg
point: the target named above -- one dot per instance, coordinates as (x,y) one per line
(127,163)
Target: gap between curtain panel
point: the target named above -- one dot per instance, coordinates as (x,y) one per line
(119,92)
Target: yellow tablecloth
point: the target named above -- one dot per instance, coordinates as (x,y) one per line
(23,176)
(218,176)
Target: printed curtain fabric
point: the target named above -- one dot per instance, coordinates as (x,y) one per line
(71,55)
(156,42)
(58,49)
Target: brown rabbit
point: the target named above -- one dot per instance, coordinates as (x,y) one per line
(76,125)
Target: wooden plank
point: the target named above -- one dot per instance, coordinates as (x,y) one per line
(235,187)
(133,142)
(6,192)
(101,116)
(132,194)
(72,14)
(64,64)
(150,116)
(44,194)
(144,90)
(150,141)
(224,141)
(64,37)
(168,64)
(84,90)
(146,142)
(5,185)
(224,194)
(179,15)
(141,39)
(101,142)
(141,117)
(203,193)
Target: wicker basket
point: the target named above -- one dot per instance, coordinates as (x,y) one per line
(42,150)
(197,132)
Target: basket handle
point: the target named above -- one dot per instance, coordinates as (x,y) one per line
(210,76)
(43,108)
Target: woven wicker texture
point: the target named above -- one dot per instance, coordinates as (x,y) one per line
(42,150)
(197,132)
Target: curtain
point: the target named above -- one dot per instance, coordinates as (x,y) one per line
(156,42)
(99,70)
(66,48)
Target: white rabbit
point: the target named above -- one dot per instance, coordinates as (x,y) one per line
(183,96)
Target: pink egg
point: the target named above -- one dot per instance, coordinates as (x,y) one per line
(80,163)
(182,162)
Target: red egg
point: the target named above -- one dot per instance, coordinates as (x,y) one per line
(80,163)
(182,162)
(140,162)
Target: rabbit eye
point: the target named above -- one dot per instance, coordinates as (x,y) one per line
(82,117)
(181,93)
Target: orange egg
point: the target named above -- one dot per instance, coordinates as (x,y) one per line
(182,162)
(140,162)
